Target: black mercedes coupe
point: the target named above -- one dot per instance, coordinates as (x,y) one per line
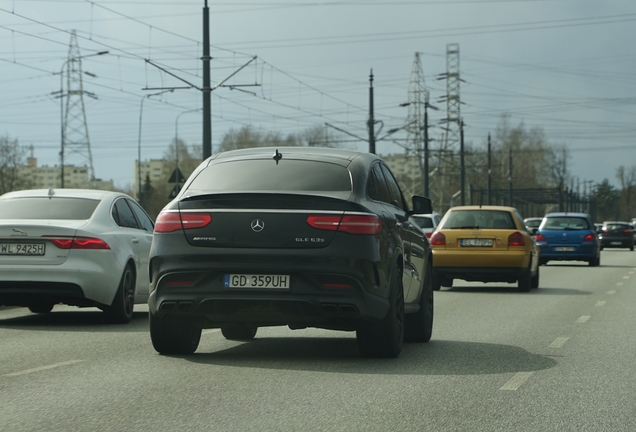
(295,236)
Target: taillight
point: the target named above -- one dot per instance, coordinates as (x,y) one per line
(589,238)
(438,239)
(78,243)
(174,221)
(628,232)
(539,238)
(516,239)
(351,224)
(429,234)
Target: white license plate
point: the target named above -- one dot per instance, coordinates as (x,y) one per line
(21,248)
(475,242)
(259,281)
(564,249)
(616,243)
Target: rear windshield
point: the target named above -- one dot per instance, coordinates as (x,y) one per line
(565,223)
(617,227)
(266,175)
(534,223)
(423,222)
(47,208)
(479,219)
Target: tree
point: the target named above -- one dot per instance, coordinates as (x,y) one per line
(12,156)
(627,178)
(606,197)
(247,137)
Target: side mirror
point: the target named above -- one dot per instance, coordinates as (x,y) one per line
(422,205)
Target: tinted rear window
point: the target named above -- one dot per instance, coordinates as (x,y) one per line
(616,227)
(47,208)
(266,175)
(562,223)
(479,219)
(423,222)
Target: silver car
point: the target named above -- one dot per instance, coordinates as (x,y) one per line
(74,246)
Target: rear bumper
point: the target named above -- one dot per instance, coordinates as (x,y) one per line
(481,274)
(582,252)
(327,289)
(617,242)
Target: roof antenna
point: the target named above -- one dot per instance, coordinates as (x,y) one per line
(277,157)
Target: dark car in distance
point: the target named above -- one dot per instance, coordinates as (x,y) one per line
(616,234)
(568,236)
(298,237)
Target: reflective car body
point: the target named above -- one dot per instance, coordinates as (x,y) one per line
(484,244)
(567,237)
(302,237)
(427,222)
(616,234)
(532,223)
(74,246)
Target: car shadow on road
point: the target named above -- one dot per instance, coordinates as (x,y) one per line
(513,290)
(340,355)
(82,320)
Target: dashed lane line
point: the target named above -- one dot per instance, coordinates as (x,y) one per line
(516,381)
(619,284)
(583,318)
(42,368)
(600,303)
(611,292)
(558,342)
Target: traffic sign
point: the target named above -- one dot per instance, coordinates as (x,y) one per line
(176,176)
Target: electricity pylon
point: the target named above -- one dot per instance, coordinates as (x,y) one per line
(76,146)
(416,122)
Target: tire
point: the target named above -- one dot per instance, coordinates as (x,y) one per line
(534,280)
(239,332)
(121,309)
(595,262)
(446,282)
(41,307)
(436,281)
(542,261)
(524,284)
(631,248)
(174,335)
(383,338)
(418,327)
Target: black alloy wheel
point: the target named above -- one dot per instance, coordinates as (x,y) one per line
(121,310)
(383,338)
(419,326)
(174,335)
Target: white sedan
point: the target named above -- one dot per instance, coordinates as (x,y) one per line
(74,246)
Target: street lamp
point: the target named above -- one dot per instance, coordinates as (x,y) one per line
(141,108)
(62,108)
(176,139)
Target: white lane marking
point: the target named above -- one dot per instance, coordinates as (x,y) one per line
(583,318)
(619,284)
(558,342)
(625,277)
(631,272)
(600,303)
(610,292)
(41,368)
(208,331)
(516,381)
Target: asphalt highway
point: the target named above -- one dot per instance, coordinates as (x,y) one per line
(559,358)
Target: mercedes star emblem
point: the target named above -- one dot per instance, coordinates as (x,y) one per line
(257,225)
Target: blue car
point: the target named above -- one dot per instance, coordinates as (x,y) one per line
(568,237)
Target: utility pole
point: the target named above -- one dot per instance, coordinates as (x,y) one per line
(207,107)
(510,176)
(462,174)
(489,171)
(371,122)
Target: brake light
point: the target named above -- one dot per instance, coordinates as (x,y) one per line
(79,243)
(438,239)
(351,224)
(539,238)
(628,231)
(429,234)
(174,221)
(516,239)
(589,238)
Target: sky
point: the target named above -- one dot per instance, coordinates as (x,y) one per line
(565,66)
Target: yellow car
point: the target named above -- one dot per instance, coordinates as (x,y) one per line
(484,244)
